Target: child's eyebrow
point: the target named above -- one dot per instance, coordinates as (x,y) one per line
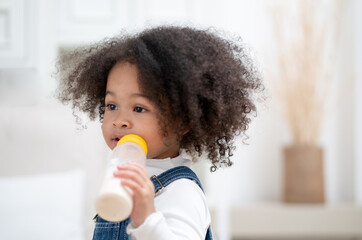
(109,93)
(140,95)
(133,95)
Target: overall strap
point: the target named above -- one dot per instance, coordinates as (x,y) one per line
(173,174)
(161,181)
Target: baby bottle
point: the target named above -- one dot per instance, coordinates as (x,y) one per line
(114,202)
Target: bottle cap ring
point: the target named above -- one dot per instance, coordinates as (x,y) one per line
(136,139)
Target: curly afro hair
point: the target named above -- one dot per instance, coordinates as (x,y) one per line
(195,78)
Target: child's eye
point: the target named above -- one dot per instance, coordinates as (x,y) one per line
(139,109)
(111,107)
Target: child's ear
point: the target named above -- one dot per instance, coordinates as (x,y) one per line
(186,129)
(182,128)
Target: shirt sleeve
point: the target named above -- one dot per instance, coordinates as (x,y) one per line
(181,213)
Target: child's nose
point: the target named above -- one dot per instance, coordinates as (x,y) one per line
(121,123)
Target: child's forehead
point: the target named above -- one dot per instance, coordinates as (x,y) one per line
(129,72)
(123,72)
(123,81)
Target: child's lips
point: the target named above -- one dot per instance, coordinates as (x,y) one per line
(116,139)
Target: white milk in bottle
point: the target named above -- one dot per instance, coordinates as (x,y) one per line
(114,202)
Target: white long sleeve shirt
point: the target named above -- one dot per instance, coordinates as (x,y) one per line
(181,208)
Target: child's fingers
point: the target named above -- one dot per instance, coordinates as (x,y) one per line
(136,173)
(133,165)
(135,177)
(143,192)
(131,176)
(131,184)
(136,168)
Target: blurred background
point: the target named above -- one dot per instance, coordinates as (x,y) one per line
(51,167)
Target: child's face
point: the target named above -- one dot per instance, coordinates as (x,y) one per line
(129,111)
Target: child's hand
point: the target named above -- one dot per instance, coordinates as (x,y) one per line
(135,176)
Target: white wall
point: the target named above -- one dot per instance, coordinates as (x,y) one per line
(358,100)
(32,31)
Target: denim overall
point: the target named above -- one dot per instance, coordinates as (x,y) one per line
(105,230)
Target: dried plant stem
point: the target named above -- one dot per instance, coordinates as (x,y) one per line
(303,71)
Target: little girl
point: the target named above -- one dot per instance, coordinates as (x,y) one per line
(178,88)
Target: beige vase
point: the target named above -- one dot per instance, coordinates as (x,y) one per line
(303,174)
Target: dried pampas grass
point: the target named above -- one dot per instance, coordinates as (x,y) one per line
(306,40)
